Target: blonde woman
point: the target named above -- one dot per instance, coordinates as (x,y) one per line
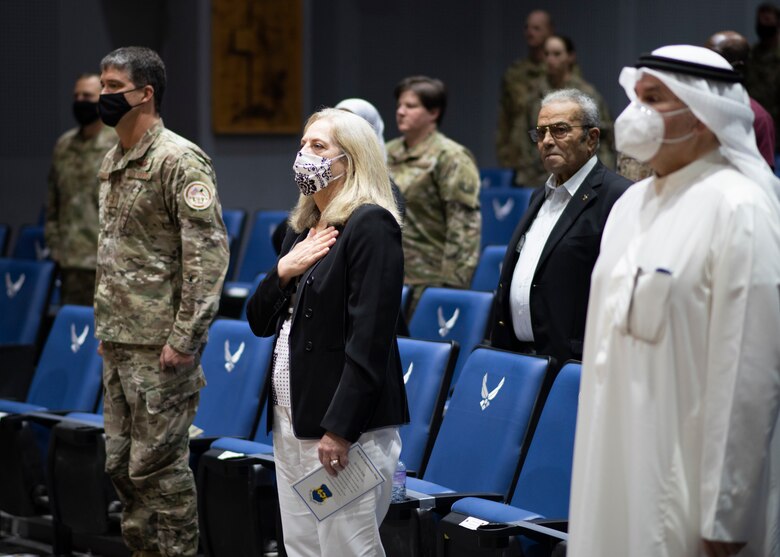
(333,300)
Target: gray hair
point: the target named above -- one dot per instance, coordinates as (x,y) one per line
(590,111)
(143,66)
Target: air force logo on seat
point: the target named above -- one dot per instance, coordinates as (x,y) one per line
(77,341)
(503,211)
(12,288)
(408,373)
(445,326)
(488,396)
(232,359)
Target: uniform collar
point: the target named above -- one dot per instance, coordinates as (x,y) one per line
(418,150)
(122,158)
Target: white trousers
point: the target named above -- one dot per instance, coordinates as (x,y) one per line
(353,530)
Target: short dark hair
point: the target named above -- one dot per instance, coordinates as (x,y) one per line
(567,42)
(768,7)
(432,92)
(143,65)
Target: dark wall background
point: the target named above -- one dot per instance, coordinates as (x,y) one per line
(352,48)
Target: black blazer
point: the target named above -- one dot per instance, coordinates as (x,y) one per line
(345,370)
(560,287)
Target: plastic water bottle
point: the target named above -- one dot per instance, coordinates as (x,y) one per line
(399,483)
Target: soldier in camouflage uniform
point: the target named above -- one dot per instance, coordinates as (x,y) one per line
(440,182)
(762,73)
(513,114)
(72,202)
(560,60)
(162,257)
(632,168)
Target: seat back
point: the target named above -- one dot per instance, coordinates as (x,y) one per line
(235,362)
(450,314)
(488,269)
(258,279)
(544,482)
(479,444)
(234,224)
(30,244)
(501,210)
(24,296)
(427,367)
(69,372)
(496,177)
(259,255)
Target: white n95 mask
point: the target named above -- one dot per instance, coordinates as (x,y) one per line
(639,131)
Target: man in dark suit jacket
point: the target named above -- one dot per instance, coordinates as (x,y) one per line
(542,296)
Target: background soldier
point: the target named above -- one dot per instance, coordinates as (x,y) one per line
(440,183)
(513,116)
(72,205)
(162,257)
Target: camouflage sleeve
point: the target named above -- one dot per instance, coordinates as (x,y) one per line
(204,250)
(607,138)
(51,227)
(504,153)
(461,249)
(458,180)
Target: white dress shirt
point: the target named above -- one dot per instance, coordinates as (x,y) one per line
(532,244)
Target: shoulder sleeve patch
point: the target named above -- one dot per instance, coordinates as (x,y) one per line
(198,196)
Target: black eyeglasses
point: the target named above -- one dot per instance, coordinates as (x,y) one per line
(558,130)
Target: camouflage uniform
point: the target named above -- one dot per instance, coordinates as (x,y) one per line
(529,168)
(442,227)
(512,144)
(632,168)
(72,210)
(762,80)
(162,257)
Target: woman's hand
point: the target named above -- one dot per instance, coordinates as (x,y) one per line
(333,451)
(305,253)
(721,549)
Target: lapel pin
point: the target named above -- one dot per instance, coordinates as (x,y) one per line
(584,196)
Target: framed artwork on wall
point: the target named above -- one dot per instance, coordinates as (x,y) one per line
(256,65)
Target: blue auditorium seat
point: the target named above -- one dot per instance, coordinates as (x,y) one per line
(23,300)
(31,244)
(67,377)
(234,224)
(450,314)
(496,177)
(259,254)
(541,495)
(478,447)
(502,209)
(488,269)
(234,362)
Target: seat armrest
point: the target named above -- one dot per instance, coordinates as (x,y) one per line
(441,503)
(544,531)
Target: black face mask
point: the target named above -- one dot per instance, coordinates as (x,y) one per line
(765,32)
(112,106)
(85,112)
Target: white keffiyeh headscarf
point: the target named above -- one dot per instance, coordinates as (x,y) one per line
(721,104)
(370,114)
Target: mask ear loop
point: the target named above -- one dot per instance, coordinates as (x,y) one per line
(675,140)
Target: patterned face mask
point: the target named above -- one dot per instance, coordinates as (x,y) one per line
(313,173)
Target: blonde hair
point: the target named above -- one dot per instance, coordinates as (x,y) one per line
(366,178)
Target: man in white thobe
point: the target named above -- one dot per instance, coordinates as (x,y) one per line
(676,450)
